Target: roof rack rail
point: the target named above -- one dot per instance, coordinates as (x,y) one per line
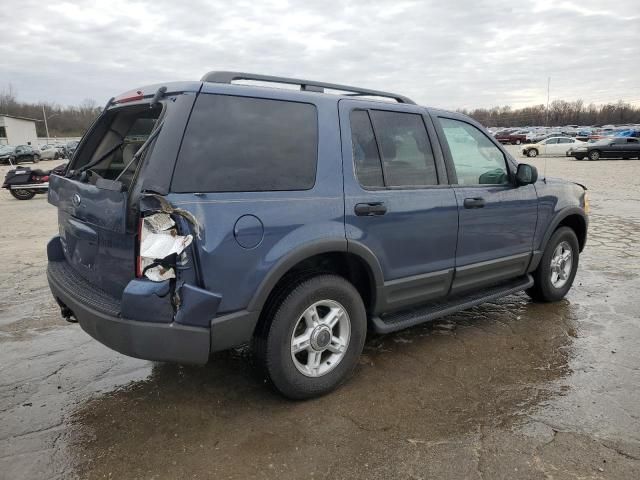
(306,85)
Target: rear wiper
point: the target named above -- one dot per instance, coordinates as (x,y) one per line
(141,150)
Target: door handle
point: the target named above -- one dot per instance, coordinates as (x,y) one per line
(370,209)
(477,202)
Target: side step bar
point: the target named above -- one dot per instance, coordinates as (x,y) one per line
(414,316)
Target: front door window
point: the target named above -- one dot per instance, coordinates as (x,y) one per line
(477,160)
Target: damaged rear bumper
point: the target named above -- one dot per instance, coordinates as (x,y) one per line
(99,315)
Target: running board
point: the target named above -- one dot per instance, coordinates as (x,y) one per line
(414,316)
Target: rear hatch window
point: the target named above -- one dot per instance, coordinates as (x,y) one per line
(108,153)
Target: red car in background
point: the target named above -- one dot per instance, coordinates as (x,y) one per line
(514,137)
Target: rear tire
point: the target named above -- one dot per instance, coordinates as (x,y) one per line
(22,194)
(35,159)
(312,336)
(557,269)
(594,155)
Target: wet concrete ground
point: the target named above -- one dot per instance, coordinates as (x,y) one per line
(506,390)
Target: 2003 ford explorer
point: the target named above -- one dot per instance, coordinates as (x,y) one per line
(200,216)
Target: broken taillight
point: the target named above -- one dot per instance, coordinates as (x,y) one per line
(159,240)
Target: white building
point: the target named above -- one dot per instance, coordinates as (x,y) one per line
(17,131)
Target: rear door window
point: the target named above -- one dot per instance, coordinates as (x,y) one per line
(399,154)
(242,144)
(365,151)
(406,151)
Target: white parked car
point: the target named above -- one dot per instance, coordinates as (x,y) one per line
(552,146)
(50,152)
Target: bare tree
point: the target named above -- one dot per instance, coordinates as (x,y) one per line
(561,112)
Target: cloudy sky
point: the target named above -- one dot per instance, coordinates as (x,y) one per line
(443,53)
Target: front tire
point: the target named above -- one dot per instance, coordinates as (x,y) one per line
(557,269)
(594,155)
(532,152)
(22,194)
(313,335)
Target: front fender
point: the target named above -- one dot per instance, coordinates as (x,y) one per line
(558,218)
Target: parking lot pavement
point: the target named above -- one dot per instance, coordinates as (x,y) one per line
(511,389)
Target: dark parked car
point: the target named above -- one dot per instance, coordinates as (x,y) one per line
(19,154)
(617,147)
(68,149)
(200,216)
(512,138)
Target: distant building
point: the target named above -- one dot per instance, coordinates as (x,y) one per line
(17,131)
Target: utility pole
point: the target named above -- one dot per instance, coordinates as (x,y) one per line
(46,127)
(548,88)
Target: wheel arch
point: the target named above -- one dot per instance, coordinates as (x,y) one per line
(353,261)
(572,217)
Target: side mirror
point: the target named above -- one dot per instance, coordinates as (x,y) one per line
(526,174)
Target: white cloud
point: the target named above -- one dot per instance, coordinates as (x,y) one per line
(445,54)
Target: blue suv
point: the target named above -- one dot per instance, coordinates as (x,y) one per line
(200,216)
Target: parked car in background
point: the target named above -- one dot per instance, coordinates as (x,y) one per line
(553,146)
(70,148)
(21,153)
(542,135)
(511,137)
(631,132)
(5,153)
(51,152)
(619,147)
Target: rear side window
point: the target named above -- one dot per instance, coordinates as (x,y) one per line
(241,144)
(406,151)
(365,150)
(402,142)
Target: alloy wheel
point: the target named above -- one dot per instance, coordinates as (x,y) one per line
(561,263)
(320,338)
